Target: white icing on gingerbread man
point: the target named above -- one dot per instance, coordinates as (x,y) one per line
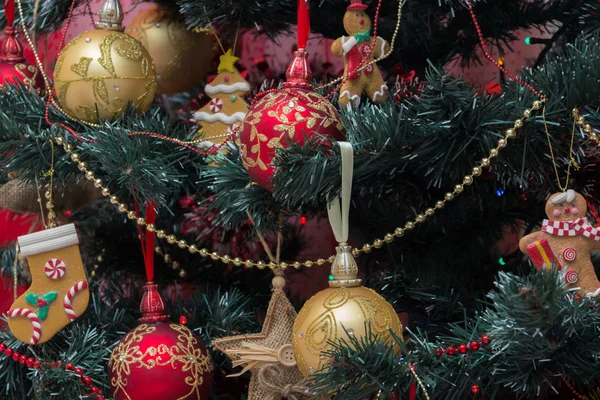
(355,49)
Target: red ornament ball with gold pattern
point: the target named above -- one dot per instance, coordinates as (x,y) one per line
(14,68)
(160,360)
(293,113)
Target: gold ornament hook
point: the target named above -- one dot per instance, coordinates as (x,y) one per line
(344,268)
(110,16)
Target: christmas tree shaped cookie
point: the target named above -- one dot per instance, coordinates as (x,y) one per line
(59,289)
(227,108)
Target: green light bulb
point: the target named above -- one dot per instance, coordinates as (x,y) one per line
(527,40)
(330,277)
(501,261)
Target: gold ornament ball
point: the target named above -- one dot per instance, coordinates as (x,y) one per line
(100,72)
(182,57)
(322,317)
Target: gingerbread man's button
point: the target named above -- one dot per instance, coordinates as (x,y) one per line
(285,355)
(569,254)
(571,276)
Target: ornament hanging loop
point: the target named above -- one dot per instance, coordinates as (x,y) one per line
(344,268)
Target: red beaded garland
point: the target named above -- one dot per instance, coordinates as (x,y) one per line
(450,350)
(485,339)
(32,362)
(440,352)
(462,348)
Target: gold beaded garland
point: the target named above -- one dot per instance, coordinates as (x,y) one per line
(366,248)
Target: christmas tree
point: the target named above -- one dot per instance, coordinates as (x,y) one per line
(428,193)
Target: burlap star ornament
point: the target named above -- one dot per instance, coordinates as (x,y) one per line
(269,354)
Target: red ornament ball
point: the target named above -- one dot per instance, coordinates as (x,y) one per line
(279,117)
(475,389)
(474,345)
(14,68)
(450,350)
(485,339)
(292,114)
(160,361)
(439,352)
(462,348)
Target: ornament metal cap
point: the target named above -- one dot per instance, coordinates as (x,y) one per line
(298,73)
(344,268)
(152,306)
(110,16)
(12,50)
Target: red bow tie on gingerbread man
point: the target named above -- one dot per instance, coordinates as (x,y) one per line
(566,240)
(357,51)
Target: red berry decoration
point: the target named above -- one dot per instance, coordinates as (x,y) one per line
(30,362)
(475,389)
(439,352)
(79,371)
(474,345)
(87,380)
(2,347)
(69,367)
(450,350)
(485,339)
(291,114)
(8,352)
(159,359)
(16,356)
(463,348)
(22,359)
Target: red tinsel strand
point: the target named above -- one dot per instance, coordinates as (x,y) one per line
(572,388)
(34,363)
(303,23)
(489,57)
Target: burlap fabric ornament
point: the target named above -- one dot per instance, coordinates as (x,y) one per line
(19,196)
(269,355)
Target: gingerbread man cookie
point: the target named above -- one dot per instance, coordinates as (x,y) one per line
(356,50)
(566,240)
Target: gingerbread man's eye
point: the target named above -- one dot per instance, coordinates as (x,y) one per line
(357,15)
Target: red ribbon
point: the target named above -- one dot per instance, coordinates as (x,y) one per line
(147,241)
(9,11)
(303,23)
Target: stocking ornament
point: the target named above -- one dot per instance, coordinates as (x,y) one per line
(566,240)
(59,289)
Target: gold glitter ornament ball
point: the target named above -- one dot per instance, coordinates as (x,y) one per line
(325,316)
(182,57)
(100,72)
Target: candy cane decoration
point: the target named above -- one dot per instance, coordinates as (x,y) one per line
(33,318)
(55,268)
(76,288)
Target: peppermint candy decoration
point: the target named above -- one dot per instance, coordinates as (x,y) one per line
(571,276)
(569,254)
(55,268)
(216,105)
